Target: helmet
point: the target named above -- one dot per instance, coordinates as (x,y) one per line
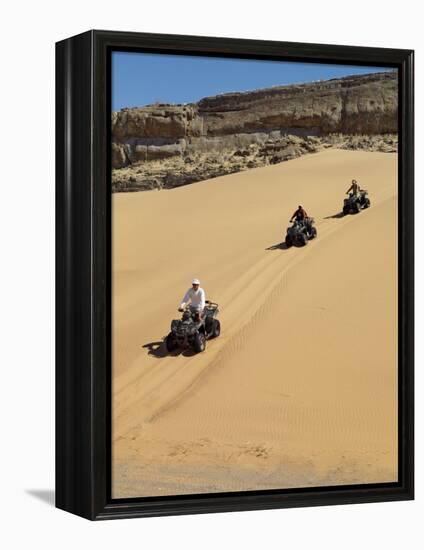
(195,282)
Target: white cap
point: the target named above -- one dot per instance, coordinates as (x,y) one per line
(195,282)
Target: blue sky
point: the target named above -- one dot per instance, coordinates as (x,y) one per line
(140,79)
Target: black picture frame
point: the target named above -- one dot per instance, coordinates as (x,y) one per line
(83,389)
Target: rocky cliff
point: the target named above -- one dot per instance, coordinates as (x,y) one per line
(261,119)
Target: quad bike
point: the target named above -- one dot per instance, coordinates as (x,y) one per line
(301,232)
(193,329)
(355,203)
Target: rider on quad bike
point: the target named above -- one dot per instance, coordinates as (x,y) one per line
(354,189)
(198,323)
(358,199)
(300,214)
(302,230)
(195,296)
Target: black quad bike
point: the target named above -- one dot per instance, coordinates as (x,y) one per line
(192,330)
(301,232)
(355,203)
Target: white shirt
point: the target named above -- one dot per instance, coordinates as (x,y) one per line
(197,298)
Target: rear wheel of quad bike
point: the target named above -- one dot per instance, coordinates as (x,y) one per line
(170,342)
(216,329)
(288,241)
(199,343)
(314,232)
(367,203)
(357,208)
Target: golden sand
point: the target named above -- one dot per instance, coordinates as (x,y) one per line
(300,389)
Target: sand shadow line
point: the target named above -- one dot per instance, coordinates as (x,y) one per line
(157,349)
(335,216)
(278,246)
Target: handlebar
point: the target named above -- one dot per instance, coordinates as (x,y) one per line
(207,302)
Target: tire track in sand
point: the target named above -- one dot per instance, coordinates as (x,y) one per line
(238,335)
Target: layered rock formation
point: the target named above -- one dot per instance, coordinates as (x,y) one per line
(260,120)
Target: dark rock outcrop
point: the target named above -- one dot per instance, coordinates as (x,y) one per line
(175,171)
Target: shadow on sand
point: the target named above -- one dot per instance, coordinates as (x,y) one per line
(279,246)
(335,216)
(158,350)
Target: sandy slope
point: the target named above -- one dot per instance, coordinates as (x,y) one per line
(300,389)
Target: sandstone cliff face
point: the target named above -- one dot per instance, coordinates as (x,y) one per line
(165,145)
(352,105)
(155,122)
(356,105)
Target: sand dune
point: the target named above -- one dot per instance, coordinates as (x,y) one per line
(301,387)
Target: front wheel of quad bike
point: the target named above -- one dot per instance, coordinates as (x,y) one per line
(314,233)
(216,329)
(288,242)
(345,210)
(302,240)
(199,343)
(357,208)
(170,342)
